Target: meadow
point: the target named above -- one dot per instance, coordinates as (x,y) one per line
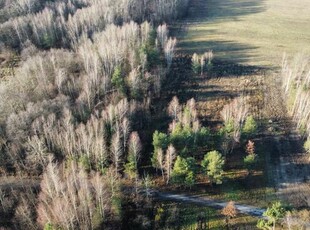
(254,32)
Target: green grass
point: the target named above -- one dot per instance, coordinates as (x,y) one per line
(255,32)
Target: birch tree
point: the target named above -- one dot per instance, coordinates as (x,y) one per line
(169,160)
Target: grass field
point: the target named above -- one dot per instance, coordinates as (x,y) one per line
(247,37)
(255,32)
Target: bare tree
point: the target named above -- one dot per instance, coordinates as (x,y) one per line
(174,108)
(160,162)
(72,191)
(162,35)
(169,51)
(135,148)
(116,150)
(236,113)
(125,127)
(169,160)
(296,83)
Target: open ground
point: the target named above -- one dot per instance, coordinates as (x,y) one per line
(255,32)
(249,38)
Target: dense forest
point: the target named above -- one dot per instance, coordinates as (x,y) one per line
(91,114)
(78,80)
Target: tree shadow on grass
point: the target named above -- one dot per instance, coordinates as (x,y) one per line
(196,30)
(211,10)
(224,50)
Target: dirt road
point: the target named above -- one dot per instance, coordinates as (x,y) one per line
(246,209)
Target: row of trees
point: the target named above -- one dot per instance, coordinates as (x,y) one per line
(296,86)
(64,23)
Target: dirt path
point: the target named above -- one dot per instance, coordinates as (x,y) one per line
(246,209)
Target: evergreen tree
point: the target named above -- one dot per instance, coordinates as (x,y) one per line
(212,164)
(250,126)
(274,214)
(184,171)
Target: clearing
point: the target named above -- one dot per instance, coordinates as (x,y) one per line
(253,32)
(248,38)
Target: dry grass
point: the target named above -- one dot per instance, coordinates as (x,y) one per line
(223,90)
(255,32)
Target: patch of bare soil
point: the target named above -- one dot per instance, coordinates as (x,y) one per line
(215,88)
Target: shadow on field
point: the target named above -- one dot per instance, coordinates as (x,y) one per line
(228,50)
(211,10)
(200,21)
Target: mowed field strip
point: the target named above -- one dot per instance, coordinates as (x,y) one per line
(254,32)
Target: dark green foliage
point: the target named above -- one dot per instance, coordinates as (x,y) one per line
(160,141)
(184,171)
(228,128)
(274,214)
(85,163)
(250,126)
(149,49)
(212,164)
(202,137)
(182,136)
(131,168)
(118,80)
(196,63)
(250,161)
(186,140)
(48,226)
(152,55)
(48,41)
